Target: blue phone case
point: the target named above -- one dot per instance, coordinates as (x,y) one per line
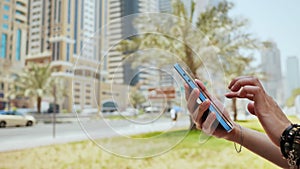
(225,123)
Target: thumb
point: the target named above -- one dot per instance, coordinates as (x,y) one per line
(251,108)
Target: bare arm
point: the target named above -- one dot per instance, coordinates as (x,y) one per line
(255,141)
(260,144)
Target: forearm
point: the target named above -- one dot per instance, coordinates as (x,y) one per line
(260,144)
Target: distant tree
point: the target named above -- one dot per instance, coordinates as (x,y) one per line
(57,89)
(235,45)
(35,81)
(290,102)
(136,97)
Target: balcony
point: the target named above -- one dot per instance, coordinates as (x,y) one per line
(21,18)
(61,63)
(22,9)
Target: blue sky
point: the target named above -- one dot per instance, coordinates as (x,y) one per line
(273,20)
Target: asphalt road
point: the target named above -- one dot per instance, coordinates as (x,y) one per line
(16,138)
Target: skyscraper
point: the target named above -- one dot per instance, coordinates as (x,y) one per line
(271,66)
(120,27)
(39,20)
(62,34)
(13,30)
(292,74)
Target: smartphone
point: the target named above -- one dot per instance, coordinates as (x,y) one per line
(225,123)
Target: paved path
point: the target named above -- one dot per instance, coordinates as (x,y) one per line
(42,134)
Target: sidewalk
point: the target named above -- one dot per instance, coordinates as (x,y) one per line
(41,134)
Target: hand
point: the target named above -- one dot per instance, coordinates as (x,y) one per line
(197,111)
(263,106)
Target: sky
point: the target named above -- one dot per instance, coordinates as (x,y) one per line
(275,20)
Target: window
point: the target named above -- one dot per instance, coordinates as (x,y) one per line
(58,51)
(1,86)
(18,12)
(75,26)
(68,52)
(55,2)
(19,4)
(3,45)
(59,11)
(6,7)
(18,21)
(5,17)
(82,14)
(18,45)
(69,11)
(5,26)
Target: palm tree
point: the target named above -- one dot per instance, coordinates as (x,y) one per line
(235,45)
(214,34)
(34,81)
(291,100)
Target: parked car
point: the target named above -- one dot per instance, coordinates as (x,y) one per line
(152,109)
(109,106)
(51,108)
(15,118)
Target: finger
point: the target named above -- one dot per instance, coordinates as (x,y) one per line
(203,88)
(200,84)
(249,92)
(250,96)
(237,95)
(238,84)
(207,125)
(250,108)
(198,114)
(236,79)
(187,91)
(191,102)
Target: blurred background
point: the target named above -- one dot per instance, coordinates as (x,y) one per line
(99,73)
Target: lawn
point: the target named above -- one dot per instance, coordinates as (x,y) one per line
(191,152)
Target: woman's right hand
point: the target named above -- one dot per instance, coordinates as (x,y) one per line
(197,111)
(263,106)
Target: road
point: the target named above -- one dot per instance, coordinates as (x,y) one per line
(16,138)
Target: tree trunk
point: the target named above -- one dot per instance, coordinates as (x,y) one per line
(39,101)
(234,109)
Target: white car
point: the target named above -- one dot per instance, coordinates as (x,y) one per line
(152,110)
(15,118)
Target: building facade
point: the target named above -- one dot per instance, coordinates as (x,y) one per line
(13,32)
(39,27)
(292,75)
(271,66)
(66,34)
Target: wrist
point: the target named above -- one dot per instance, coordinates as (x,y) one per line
(290,144)
(281,131)
(235,134)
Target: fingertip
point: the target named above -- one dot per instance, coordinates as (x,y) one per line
(186,86)
(200,84)
(195,90)
(228,95)
(234,88)
(206,102)
(250,108)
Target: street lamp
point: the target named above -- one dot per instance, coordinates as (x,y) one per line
(54,105)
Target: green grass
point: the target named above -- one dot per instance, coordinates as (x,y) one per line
(191,152)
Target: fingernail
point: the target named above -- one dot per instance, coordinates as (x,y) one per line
(206,102)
